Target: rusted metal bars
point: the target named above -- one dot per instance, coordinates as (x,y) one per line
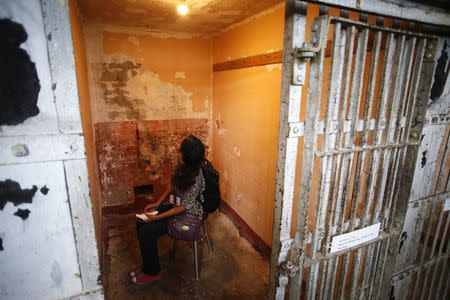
(397,156)
(406,175)
(352,116)
(432,250)
(319,32)
(338,216)
(334,96)
(379,178)
(328,142)
(362,161)
(295,23)
(441,248)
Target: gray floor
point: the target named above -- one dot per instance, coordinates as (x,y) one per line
(235,270)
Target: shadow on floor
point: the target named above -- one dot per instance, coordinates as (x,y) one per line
(235,270)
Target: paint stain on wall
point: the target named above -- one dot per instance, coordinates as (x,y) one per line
(19,81)
(1,244)
(44,190)
(129,93)
(220,128)
(403,239)
(423,161)
(22,213)
(151,152)
(10,191)
(114,78)
(440,74)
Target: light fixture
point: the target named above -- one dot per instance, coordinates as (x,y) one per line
(182,8)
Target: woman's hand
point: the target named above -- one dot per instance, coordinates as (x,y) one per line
(151,217)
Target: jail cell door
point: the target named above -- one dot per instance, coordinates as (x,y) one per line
(366,100)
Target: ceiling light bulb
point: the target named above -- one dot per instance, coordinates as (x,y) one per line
(182,9)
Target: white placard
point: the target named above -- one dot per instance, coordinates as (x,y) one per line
(447,204)
(355,238)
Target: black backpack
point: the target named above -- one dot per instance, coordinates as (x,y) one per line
(211,194)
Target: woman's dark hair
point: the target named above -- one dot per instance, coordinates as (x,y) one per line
(192,153)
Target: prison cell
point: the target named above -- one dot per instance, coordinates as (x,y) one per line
(361,133)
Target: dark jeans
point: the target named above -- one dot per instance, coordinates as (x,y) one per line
(148,234)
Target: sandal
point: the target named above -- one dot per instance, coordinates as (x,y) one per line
(146,279)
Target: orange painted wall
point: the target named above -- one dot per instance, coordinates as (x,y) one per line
(245,120)
(83,94)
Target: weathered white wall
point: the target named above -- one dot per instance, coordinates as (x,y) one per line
(51,254)
(430,188)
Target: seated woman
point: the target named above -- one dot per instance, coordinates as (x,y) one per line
(188,185)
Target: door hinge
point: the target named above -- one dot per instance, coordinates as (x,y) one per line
(289,269)
(307,51)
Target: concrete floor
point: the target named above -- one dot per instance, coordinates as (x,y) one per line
(235,270)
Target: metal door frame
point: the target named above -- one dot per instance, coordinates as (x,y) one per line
(294,71)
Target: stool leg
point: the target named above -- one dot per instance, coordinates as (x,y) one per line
(174,247)
(207,238)
(196,259)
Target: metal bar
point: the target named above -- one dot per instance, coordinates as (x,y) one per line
(441,279)
(366,25)
(444,235)
(407,171)
(376,257)
(395,98)
(383,105)
(397,133)
(340,192)
(363,149)
(433,248)
(420,267)
(397,9)
(338,217)
(355,103)
(382,172)
(330,138)
(322,257)
(396,156)
(320,31)
(444,170)
(358,78)
(294,35)
(425,245)
(389,65)
(361,162)
(310,143)
(335,91)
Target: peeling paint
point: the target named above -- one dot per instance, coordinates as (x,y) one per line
(236,151)
(131,94)
(133,40)
(219,125)
(272,67)
(19,81)
(423,161)
(136,153)
(22,213)
(10,191)
(44,190)
(180,75)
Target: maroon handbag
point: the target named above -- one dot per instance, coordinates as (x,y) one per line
(185,226)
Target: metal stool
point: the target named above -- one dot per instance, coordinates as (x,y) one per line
(194,244)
